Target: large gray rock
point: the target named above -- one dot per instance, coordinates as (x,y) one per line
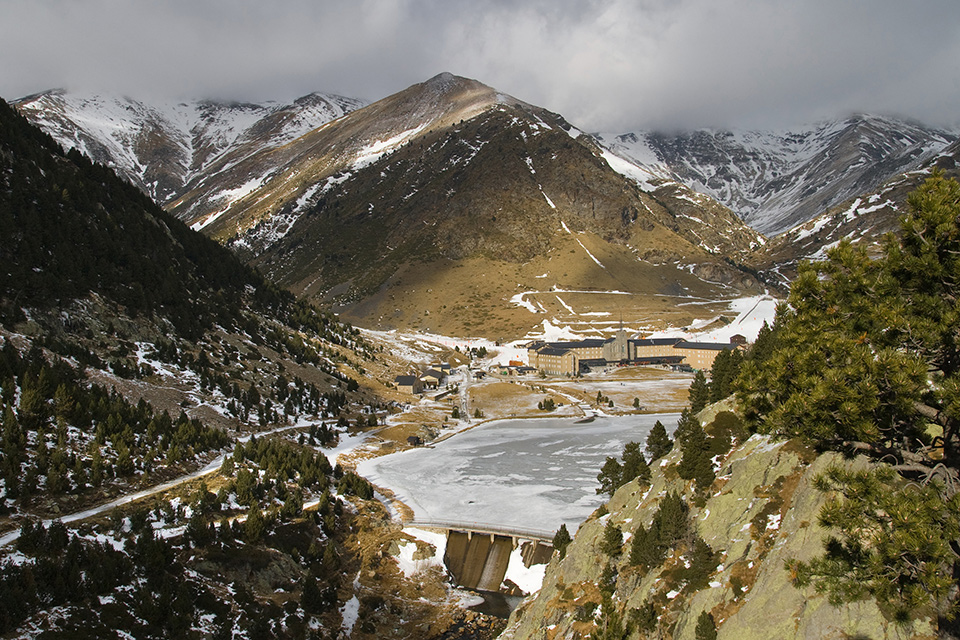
(761,512)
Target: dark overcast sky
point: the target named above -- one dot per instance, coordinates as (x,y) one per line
(607,65)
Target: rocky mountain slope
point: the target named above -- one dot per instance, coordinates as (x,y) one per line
(164,147)
(760,513)
(778,180)
(864,220)
(497,181)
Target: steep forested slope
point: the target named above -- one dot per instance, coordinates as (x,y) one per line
(133,351)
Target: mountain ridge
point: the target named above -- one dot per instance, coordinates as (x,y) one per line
(450,170)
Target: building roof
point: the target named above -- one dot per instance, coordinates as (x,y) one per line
(656,342)
(431,373)
(659,360)
(705,346)
(552,351)
(406,381)
(589,343)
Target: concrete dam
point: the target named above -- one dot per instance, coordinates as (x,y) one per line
(478,556)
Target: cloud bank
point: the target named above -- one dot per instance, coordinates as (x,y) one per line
(611,65)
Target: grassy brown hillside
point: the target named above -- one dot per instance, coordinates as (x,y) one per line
(505,202)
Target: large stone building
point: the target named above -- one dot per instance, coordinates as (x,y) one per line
(573,357)
(550,357)
(699,355)
(555,361)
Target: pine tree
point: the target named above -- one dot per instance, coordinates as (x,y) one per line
(685,425)
(865,359)
(696,463)
(706,628)
(255,524)
(671,519)
(699,392)
(726,368)
(645,551)
(311,599)
(612,543)
(609,477)
(659,443)
(561,539)
(645,617)
(703,561)
(634,465)
(765,344)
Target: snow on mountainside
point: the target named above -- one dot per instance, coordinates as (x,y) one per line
(272,186)
(162,146)
(777,180)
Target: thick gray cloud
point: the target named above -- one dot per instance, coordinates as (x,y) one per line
(608,65)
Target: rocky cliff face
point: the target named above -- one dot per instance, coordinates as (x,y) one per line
(863,220)
(760,512)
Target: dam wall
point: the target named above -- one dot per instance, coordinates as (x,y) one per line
(480,560)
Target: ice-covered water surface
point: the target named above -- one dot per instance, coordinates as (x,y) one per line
(532,473)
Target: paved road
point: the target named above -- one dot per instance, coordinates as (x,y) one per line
(213,466)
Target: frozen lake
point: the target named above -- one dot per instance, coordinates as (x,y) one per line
(531,473)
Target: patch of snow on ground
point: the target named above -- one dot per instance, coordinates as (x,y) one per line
(232,195)
(592,257)
(438,540)
(645,179)
(521,301)
(773,521)
(350,613)
(566,306)
(751,312)
(554,333)
(547,198)
(411,567)
(817,226)
(376,150)
(821,254)
(528,579)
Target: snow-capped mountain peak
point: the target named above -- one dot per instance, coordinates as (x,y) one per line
(160,146)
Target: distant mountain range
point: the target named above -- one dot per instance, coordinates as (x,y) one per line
(394,210)
(777,180)
(397,210)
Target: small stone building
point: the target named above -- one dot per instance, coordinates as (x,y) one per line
(409,384)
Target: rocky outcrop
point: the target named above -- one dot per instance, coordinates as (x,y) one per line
(761,511)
